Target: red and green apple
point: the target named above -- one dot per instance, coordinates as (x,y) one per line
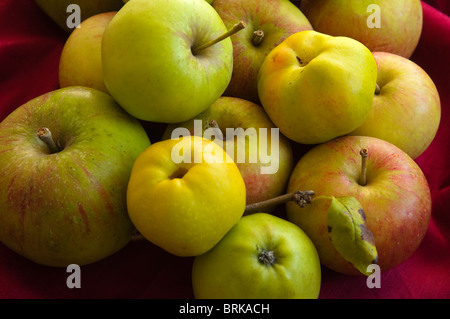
(66,158)
(268,23)
(389,185)
(406,107)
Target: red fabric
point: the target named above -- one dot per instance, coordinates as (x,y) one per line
(30,45)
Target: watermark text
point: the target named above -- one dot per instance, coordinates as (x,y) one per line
(242,145)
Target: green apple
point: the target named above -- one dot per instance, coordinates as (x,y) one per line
(316,87)
(262,257)
(80,62)
(389,185)
(185,194)
(268,24)
(66,158)
(155,63)
(263,156)
(393,26)
(406,109)
(59,10)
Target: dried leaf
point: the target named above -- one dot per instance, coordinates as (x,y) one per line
(349,234)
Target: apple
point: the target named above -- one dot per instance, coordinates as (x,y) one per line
(389,185)
(397,30)
(406,108)
(261,257)
(80,62)
(185,194)
(268,24)
(316,87)
(66,158)
(59,10)
(264,158)
(159,62)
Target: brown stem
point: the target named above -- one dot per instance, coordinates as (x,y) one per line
(258,36)
(377,90)
(210,124)
(362,177)
(302,198)
(237,27)
(46,136)
(137,237)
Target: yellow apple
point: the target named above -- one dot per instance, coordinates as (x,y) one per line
(248,136)
(316,87)
(62,12)
(185,194)
(80,63)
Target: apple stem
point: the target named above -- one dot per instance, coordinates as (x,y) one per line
(237,27)
(377,90)
(258,36)
(46,136)
(211,124)
(363,178)
(137,237)
(302,198)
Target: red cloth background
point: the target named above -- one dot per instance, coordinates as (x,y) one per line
(30,45)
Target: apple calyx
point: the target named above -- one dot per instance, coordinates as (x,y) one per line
(237,27)
(301,62)
(301,198)
(258,36)
(179,173)
(267,257)
(363,176)
(45,135)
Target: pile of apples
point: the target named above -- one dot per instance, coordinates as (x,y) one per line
(80,176)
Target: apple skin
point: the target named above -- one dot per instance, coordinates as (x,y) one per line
(276,18)
(67,207)
(148,64)
(231,112)
(185,208)
(399,32)
(396,199)
(57,9)
(232,269)
(406,93)
(316,87)
(80,63)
